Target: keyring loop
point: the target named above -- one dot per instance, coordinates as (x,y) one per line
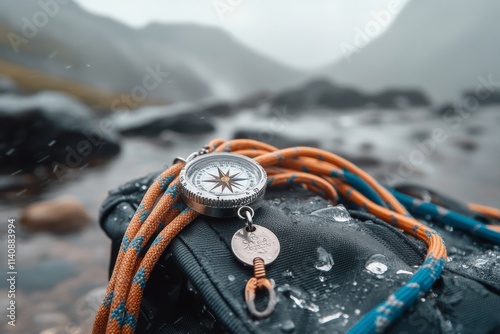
(249,213)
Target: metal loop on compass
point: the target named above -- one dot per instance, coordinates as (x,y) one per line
(248,218)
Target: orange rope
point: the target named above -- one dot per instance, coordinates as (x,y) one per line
(161,213)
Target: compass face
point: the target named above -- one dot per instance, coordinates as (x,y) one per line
(225,178)
(222,181)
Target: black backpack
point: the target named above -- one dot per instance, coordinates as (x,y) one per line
(335,265)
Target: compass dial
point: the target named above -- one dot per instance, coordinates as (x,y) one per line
(217,184)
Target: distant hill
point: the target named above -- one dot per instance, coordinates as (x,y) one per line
(321,93)
(441,47)
(94,50)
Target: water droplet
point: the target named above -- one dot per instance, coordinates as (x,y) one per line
(9,152)
(230,278)
(422,300)
(144,187)
(330,317)
(339,213)
(288,274)
(276,201)
(302,303)
(354,283)
(357,312)
(376,264)
(465,266)
(288,326)
(325,260)
(480,263)
(299,297)
(345,316)
(401,271)
(321,278)
(124,207)
(448,228)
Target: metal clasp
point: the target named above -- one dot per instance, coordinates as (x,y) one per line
(248,217)
(202,151)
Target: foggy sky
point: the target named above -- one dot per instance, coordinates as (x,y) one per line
(303,34)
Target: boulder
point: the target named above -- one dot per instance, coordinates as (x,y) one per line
(50,131)
(277,140)
(183,118)
(321,93)
(62,215)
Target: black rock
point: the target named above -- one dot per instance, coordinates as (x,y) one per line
(445,110)
(52,132)
(274,139)
(153,120)
(322,93)
(483,97)
(216,108)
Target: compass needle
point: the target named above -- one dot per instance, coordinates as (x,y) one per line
(227,179)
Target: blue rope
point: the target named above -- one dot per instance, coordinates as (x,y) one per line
(447,217)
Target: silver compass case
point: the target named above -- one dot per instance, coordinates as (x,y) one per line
(217,184)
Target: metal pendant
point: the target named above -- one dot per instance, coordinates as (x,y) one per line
(257,243)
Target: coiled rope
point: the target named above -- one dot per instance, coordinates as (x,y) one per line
(162,215)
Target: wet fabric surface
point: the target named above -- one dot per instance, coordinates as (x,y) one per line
(333,267)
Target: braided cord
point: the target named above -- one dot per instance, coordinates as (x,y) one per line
(162,215)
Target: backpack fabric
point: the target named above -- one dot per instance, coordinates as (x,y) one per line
(334,266)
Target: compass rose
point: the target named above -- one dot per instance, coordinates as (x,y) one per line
(225,180)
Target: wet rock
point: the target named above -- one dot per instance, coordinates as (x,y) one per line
(486,98)
(280,141)
(61,215)
(7,85)
(323,94)
(254,101)
(466,145)
(50,131)
(216,108)
(181,118)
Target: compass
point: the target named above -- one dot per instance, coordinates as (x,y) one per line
(217,184)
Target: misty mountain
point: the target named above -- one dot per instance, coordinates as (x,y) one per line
(200,61)
(442,47)
(321,93)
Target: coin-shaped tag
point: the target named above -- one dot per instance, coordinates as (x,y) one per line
(259,243)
